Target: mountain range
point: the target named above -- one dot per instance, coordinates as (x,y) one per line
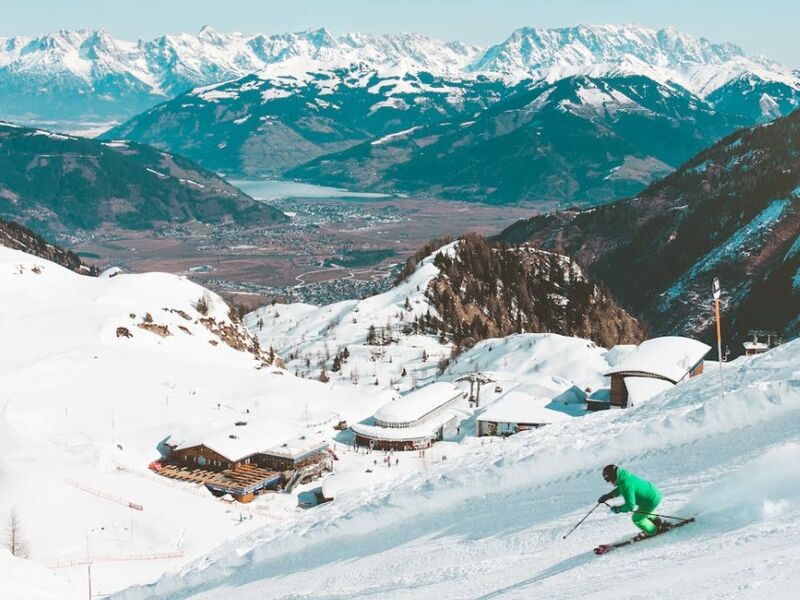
(84,74)
(576,141)
(580,115)
(90,72)
(555,118)
(267,123)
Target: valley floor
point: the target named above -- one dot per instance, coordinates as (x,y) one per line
(322,255)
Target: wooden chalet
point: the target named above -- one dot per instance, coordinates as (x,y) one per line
(653,367)
(240,462)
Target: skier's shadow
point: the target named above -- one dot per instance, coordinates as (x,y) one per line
(556,569)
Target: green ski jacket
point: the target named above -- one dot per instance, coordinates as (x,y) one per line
(635,491)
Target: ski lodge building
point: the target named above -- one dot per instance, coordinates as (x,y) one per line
(413,421)
(242,461)
(515,412)
(654,366)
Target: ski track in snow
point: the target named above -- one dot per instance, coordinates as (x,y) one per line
(490,523)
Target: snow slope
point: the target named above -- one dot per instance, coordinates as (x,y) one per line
(309,337)
(17,575)
(490,523)
(83,409)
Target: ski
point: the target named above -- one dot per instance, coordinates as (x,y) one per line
(606,548)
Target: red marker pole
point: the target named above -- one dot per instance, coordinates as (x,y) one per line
(717,294)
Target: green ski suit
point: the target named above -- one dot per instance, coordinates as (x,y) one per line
(639,495)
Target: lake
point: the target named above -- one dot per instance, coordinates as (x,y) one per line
(267,190)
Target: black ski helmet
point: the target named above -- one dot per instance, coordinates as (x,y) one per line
(610,473)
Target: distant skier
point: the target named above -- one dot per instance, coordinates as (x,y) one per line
(640,496)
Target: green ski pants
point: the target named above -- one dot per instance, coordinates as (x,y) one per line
(643,522)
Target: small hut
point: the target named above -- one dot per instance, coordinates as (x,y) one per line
(517,412)
(654,366)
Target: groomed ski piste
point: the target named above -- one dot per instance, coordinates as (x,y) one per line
(490,523)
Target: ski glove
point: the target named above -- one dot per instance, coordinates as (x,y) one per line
(616,509)
(604,498)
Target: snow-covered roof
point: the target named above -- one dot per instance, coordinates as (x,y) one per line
(644,388)
(419,403)
(516,407)
(756,346)
(424,431)
(601,395)
(297,448)
(111,272)
(670,357)
(238,442)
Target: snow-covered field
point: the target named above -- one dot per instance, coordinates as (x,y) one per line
(490,522)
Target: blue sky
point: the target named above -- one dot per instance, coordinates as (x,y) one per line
(759,26)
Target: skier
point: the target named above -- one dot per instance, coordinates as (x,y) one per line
(641,497)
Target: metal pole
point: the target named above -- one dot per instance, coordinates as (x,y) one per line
(638,512)
(717,293)
(89,572)
(582,520)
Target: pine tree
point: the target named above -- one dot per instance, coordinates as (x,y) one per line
(443,364)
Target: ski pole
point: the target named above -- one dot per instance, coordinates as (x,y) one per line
(582,520)
(638,512)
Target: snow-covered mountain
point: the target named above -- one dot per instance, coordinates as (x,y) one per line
(634,103)
(96,371)
(664,55)
(88,75)
(289,113)
(490,522)
(732,211)
(76,75)
(576,141)
(456,296)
